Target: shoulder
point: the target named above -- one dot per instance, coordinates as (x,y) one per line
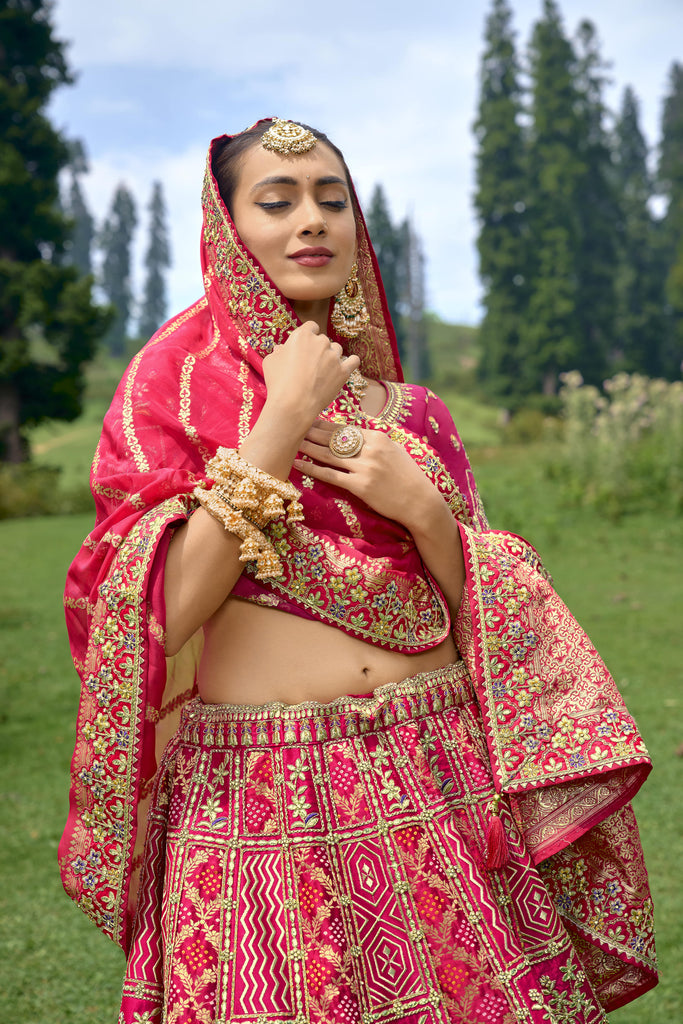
(183,336)
(421,409)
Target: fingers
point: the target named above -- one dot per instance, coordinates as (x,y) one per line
(321,430)
(317,448)
(326,474)
(311,326)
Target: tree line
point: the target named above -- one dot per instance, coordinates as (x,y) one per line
(579,269)
(580,238)
(53,311)
(400,255)
(113,242)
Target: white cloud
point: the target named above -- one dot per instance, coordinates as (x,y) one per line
(395,86)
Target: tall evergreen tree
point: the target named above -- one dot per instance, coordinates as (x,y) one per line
(388,243)
(597,214)
(48,323)
(501,204)
(412,303)
(550,334)
(157,261)
(670,180)
(79,246)
(639,283)
(116,240)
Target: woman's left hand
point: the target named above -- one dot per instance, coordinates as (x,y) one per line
(383,475)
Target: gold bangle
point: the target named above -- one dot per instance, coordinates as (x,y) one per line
(255,545)
(244,499)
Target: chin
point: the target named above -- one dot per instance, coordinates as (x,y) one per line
(311,293)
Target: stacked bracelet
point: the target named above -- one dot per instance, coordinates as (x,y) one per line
(245,499)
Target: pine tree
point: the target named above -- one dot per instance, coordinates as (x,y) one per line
(116,240)
(79,247)
(597,214)
(157,260)
(550,334)
(48,323)
(639,322)
(501,204)
(670,177)
(388,245)
(412,303)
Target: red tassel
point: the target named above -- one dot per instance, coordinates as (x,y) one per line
(497,852)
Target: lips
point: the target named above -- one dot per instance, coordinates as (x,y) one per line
(316,256)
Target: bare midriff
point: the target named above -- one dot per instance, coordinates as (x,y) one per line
(255,654)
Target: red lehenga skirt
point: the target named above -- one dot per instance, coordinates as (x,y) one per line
(327,863)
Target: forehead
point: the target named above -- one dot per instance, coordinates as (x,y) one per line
(259,163)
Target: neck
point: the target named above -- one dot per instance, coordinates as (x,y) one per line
(316,310)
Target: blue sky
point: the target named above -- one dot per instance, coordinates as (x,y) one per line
(393,84)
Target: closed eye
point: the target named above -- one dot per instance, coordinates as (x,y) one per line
(335,204)
(278,205)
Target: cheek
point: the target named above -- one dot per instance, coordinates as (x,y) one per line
(262,242)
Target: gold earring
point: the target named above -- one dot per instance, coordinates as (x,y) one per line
(349,314)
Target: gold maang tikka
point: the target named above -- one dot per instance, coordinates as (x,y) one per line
(288,137)
(349,313)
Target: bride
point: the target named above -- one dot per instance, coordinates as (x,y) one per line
(342,753)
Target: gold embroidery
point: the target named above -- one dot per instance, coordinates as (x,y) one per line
(185,400)
(115,539)
(127,412)
(178,321)
(156,629)
(350,517)
(118,495)
(247,399)
(113,667)
(127,416)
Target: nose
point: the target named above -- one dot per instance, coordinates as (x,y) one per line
(312,221)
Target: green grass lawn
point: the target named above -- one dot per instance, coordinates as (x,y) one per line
(622,581)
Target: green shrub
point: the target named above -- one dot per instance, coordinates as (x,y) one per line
(33,490)
(622,448)
(525,426)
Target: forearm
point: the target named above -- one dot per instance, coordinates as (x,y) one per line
(202,565)
(437,537)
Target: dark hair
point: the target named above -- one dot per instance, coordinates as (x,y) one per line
(229,152)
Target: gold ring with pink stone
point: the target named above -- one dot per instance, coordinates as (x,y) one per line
(346,442)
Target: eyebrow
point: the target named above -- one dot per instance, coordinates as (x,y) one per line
(283,179)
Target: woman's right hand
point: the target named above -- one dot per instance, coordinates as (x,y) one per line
(304,374)
(202,566)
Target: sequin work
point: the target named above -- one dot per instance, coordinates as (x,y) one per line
(323,862)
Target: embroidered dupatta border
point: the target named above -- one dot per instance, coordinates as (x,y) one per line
(107,767)
(551,711)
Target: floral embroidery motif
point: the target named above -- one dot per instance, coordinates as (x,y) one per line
(104,763)
(537,684)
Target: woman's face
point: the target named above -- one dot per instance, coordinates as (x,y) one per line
(294,214)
